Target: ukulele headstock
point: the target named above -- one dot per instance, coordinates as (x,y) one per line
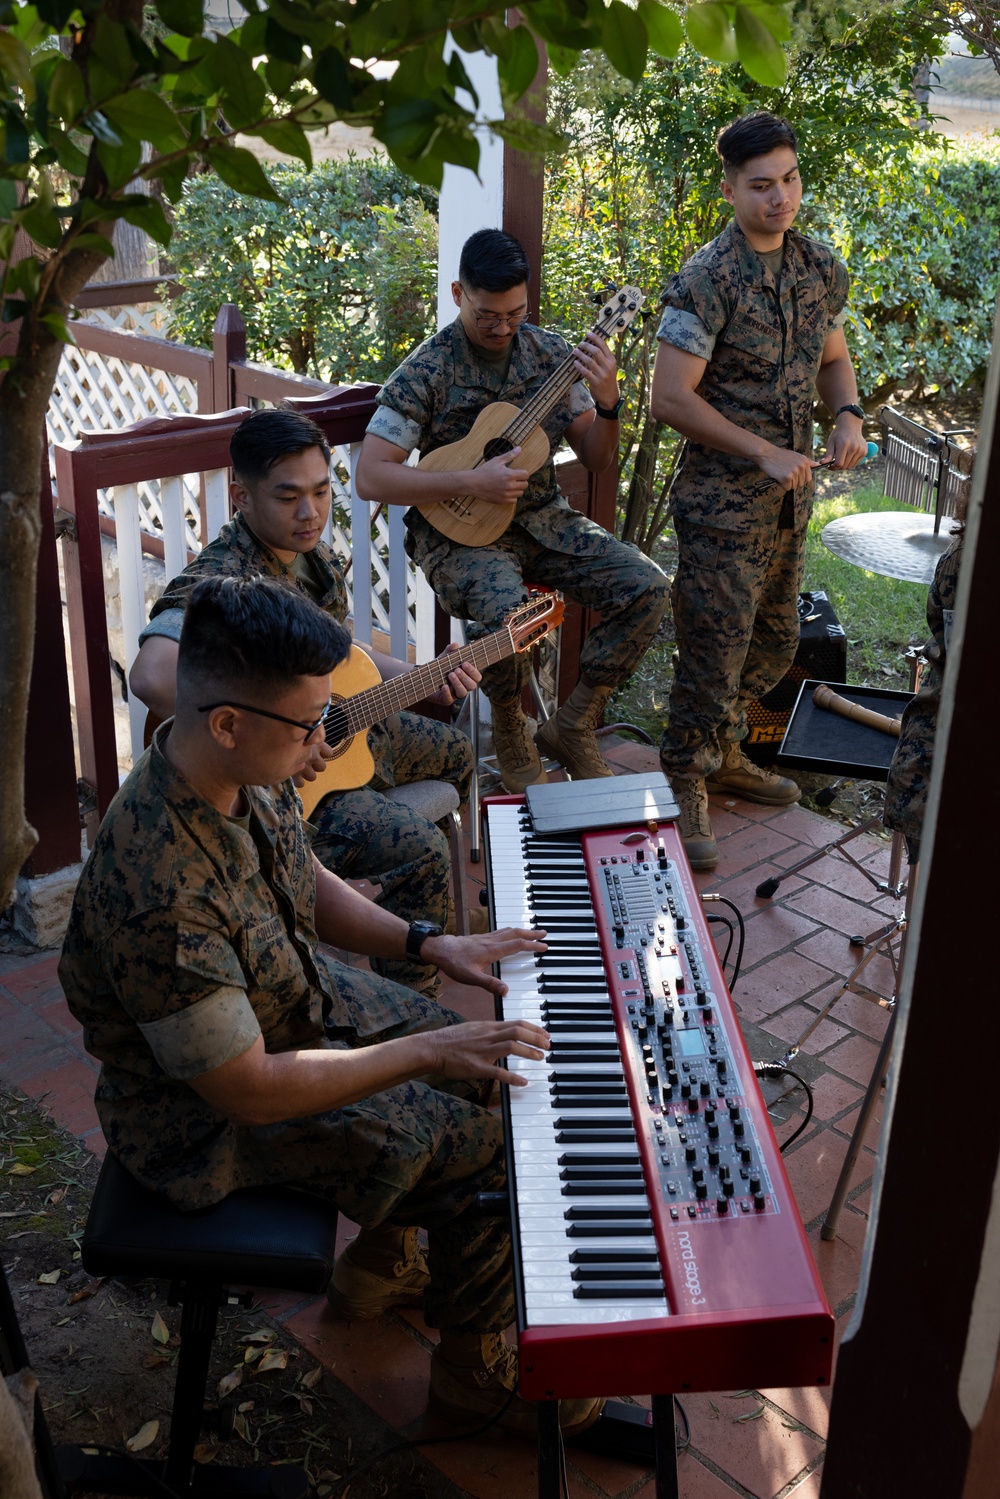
(618,311)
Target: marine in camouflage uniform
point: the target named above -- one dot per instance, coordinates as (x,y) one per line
(431,400)
(359,834)
(740,534)
(191,935)
(910,772)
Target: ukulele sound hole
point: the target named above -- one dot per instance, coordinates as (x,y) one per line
(496,448)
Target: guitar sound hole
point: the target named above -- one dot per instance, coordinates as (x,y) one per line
(338,734)
(496,448)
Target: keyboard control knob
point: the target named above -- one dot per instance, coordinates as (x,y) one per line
(686,1089)
(701,1191)
(746,1154)
(691,1154)
(706,1089)
(713,1131)
(713,1156)
(722,1205)
(755,1185)
(739,1129)
(759,1201)
(734,1111)
(698,1174)
(693,1105)
(728,1188)
(709,1116)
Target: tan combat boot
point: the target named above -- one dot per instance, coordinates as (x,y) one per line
(514,748)
(741,777)
(474,1375)
(694,825)
(569,734)
(384,1267)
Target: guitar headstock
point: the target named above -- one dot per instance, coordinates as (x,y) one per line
(618,311)
(534,620)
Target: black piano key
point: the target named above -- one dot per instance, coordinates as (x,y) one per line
(613,1256)
(571,986)
(558,1047)
(560,1090)
(620,1211)
(608,1230)
(603,1189)
(608,1289)
(581,1027)
(609,1131)
(596,1077)
(614,1175)
(612,1101)
(592,1274)
(585,1158)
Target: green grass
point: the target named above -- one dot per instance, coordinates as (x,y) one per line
(881,616)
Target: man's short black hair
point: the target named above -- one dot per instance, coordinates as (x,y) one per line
(753,135)
(493,261)
(254,635)
(264,437)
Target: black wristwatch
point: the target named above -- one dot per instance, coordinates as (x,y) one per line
(610,413)
(854,409)
(418,934)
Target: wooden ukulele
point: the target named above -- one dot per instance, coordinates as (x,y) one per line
(502,426)
(361,698)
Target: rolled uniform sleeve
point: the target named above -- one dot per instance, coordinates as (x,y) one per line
(204,1019)
(168,624)
(405,408)
(695,312)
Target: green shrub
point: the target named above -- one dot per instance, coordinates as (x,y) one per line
(338,281)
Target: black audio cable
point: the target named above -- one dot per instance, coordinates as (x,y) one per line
(778,1069)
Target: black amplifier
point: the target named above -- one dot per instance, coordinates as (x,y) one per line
(822,655)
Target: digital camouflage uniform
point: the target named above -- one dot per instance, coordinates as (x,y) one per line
(740,535)
(191,935)
(359,834)
(433,399)
(910,772)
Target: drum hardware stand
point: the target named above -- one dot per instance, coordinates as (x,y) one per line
(875,1082)
(879,941)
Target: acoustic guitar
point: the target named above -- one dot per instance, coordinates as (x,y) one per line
(502,426)
(360,698)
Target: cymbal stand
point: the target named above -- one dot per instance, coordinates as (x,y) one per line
(829,1229)
(879,941)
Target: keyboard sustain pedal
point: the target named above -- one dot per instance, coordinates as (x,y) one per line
(622,1431)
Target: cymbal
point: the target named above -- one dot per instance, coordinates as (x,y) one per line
(896,544)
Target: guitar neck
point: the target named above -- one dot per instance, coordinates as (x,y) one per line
(409,687)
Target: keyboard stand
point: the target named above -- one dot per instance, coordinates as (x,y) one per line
(623,1431)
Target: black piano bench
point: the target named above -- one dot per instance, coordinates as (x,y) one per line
(264,1236)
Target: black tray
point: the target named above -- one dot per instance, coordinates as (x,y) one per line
(828,744)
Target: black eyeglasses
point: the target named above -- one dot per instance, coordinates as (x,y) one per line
(487,321)
(296,723)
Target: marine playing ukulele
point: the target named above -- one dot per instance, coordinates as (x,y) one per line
(502,426)
(360,698)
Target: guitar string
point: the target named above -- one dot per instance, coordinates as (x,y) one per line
(561,379)
(356,715)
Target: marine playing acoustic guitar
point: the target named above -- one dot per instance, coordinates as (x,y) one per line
(502,426)
(360,698)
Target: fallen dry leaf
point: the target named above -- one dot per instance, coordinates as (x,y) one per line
(144,1437)
(252,1354)
(49,1278)
(159,1330)
(56,1197)
(312,1379)
(305,1405)
(229,1382)
(247,1405)
(205,1452)
(85,1292)
(156,1359)
(259,1337)
(274,1358)
(20,1169)
(750,1415)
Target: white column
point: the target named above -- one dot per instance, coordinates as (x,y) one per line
(468,202)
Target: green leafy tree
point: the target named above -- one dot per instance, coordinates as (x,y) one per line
(338,280)
(98,96)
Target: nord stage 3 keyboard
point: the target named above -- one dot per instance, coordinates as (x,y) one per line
(657,1244)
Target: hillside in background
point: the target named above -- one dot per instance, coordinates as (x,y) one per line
(973,77)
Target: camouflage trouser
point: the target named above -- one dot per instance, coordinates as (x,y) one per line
(483,584)
(910,772)
(735,602)
(415,1154)
(362,835)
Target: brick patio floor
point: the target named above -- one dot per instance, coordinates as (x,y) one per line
(796,953)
